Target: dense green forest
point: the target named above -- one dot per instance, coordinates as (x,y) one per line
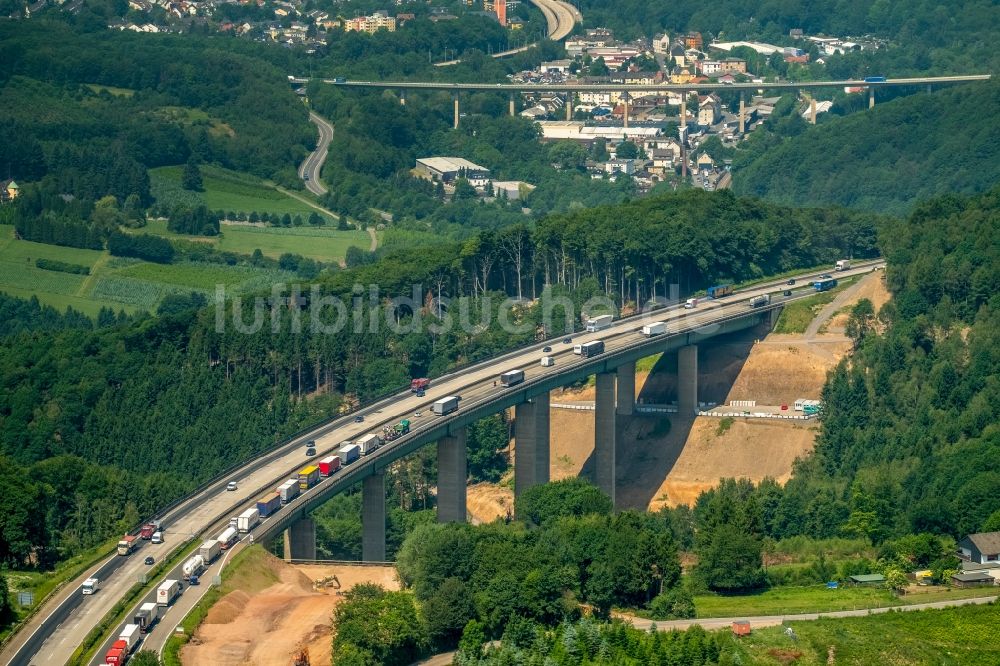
(885,160)
(922,36)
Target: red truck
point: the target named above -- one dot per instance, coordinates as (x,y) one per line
(421,384)
(118,653)
(329,465)
(147,530)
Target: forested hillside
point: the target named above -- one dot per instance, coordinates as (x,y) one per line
(885,159)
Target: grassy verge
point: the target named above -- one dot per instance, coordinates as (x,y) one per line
(818,599)
(797,315)
(44,583)
(248,570)
(963,636)
(85,652)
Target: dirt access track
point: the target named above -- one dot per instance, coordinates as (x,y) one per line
(667,465)
(273,611)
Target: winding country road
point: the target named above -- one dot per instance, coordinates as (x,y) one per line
(313,164)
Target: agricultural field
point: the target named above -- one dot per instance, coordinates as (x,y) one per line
(324,244)
(225,190)
(115,282)
(965,636)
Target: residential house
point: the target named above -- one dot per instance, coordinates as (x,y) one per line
(370,24)
(977,579)
(515,23)
(626,166)
(661,44)
(693,40)
(9,190)
(708,67)
(982,548)
(681,75)
(705,162)
(678,54)
(709,109)
(733,65)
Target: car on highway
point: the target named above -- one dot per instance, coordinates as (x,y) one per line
(546,349)
(787,292)
(825,276)
(305,176)
(567,341)
(310,452)
(311,444)
(149,560)
(193,580)
(360,419)
(231,486)
(420,393)
(790,281)
(417,414)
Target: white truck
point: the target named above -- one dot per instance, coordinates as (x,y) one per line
(843,264)
(512,378)
(209,551)
(228,537)
(368,443)
(760,301)
(691,304)
(167,592)
(193,567)
(289,490)
(445,405)
(599,323)
(90,586)
(131,635)
(548,361)
(146,616)
(247,520)
(656,328)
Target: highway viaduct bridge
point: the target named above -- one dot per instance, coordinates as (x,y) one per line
(202,515)
(570,89)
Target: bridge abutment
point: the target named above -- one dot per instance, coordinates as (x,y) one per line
(452,475)
(373,518)
(300,540)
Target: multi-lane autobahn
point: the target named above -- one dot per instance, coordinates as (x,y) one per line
(66,620)
(309,170)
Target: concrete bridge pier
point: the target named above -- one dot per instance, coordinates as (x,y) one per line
(531,453)
(743,114)
(455,98)
(625,99)
(569,106)
(373,518)
(687,380)
(812,110)
(871,98)
(625,382)
(402,96)
(605,427)
(510,104)
(300,540)
(452,476)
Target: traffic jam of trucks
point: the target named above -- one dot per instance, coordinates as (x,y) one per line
(126,644)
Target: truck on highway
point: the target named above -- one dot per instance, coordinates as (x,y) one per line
(394,432)
(146,616)
(289,490)
(419,384)
(599,323)
(248,520)
(760,301)
(210,550)
(368,443)
(167,592)
(329,465)
(308,477)
(131,635)
(349,452)
(445,405)
(90,586)
(193,566)
(147,530)
(656,328)
(268,504)
(118,654)
(512,378)
(826,284)
(127,544)
(843,265)
(548,361)
(227,538)
(719,290)
(594,348)
(691,304)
